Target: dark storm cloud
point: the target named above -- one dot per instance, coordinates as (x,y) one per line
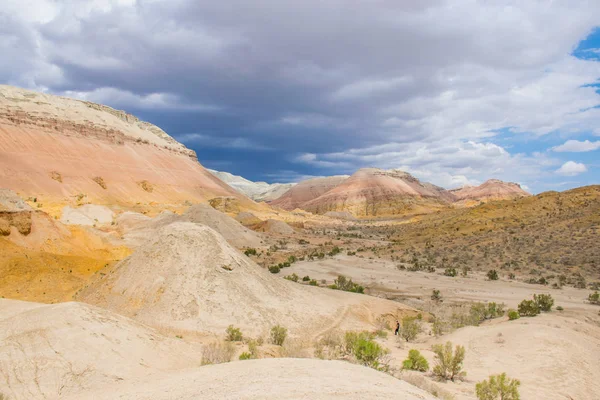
(311,79)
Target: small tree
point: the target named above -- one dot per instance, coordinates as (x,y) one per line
(492,275)
(415,361)
(528,308)
(544,301)
(233,334)
(594,298)
(498,387)
(410,328)
(448,364)
(278,335)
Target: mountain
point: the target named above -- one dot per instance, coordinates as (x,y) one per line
(492,189)
(57,149)
(306,191)
(377,192)
(258,191)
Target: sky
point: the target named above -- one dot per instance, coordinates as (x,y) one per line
(453,91)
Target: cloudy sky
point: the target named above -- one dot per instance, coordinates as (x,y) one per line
(454,91)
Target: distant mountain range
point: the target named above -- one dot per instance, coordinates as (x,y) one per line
(258,191)
(371,192)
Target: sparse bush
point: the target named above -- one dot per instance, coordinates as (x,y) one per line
(498,387)
(313,282)
(528,308)
(336,250)
(250,252)
(492,275)
(306,278)
(365,350)
(217,353)
(278,335)
(293,277)
(415,361)
(544,301)
(345,284)
(246,356)
(369,353)
(233,334)
(410,328)
(449,364)
(274,269)
(513,314)
(559,308)
(594,298)
(438,327)
(436,295)
(450,272)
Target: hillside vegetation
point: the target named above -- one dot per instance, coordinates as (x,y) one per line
(543,236)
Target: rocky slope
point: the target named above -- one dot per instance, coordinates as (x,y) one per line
(492,189)
(306,191)
(61,150)
(376,192)
(258,191)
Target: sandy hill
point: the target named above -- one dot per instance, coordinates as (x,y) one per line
(188,277)
(376,192)
(62,150)
(306,191)
(259,191)
(492,189)
(269,379)
(548,232)
(59,350)
(136,228)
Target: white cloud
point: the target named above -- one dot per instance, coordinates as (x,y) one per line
(576,146)
(446,163)
(571,168)
(208,141)
(125,99)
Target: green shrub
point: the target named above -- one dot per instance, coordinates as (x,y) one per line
(415,361)
(306,278)
(250,252)
(292,259)
(313,282)
(410,328)
(278,335)
(274,269)
(233,334)
(492,275)
(293,277)
(369,353)
(513,314)
(544,301)
(246,356)
(559,308)
(594,298)
(345,284)
(336,250)
(436,295)
(450,272)
(449,364)
(498,387)
(352,337)
(528,308)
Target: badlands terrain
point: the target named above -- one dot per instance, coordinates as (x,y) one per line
(129,271)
